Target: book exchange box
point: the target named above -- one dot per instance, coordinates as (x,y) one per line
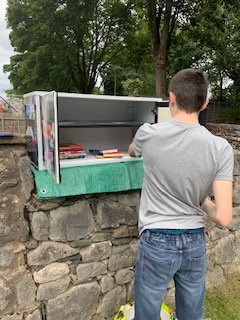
(79,142)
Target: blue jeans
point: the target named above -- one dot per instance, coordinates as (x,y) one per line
(162,257)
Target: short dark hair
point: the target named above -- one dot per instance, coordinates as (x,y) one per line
(190,87)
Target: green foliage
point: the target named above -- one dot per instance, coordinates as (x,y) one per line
(132,87)
(229,115)
(133,63)
(64,45)
(217,41)
(208,39)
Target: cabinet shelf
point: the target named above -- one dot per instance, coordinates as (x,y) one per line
(95,124)
(91,160)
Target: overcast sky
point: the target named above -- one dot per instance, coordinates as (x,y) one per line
(6,50)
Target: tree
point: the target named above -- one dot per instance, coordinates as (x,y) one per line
(131,72)
(64,44)
(162,16)
(210,41)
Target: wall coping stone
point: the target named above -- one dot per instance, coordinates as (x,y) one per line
(16,139)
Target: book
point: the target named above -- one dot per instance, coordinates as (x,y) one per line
(108,151)
(102,151)
(70,146)
(73,156)
(110,155)
(70,152)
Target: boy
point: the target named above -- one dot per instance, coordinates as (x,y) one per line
(182,161)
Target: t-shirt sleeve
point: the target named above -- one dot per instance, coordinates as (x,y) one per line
(226,163)
(141,136)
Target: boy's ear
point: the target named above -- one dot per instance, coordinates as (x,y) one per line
(204,105)
(172,99)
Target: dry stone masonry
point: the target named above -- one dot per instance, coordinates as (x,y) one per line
(73,258)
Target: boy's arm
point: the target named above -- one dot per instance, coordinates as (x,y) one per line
(220,211)
(131,150)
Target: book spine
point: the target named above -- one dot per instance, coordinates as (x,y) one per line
(71,152)
(105,151)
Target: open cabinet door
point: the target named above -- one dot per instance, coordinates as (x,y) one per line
(49,115)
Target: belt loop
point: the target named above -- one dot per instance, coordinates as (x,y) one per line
(146,234)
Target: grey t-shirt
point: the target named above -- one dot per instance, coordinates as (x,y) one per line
(181,161)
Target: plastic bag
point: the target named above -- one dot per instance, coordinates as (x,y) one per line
(126,312)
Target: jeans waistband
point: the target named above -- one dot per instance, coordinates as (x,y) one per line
(177,231)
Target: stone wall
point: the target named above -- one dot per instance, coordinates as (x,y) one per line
(73,258)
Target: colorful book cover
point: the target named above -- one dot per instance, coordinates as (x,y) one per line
(70,146)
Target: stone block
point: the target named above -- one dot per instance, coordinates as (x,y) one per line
(123,256)
(217,233)
(224,251)
(26,290)
(48,252)
(129,199)
(5,293)
(90,270)
(96,251)
(13,317)
(111,301)
(236,191)
(51,272)
(26,176)
(35,315)
(235,225)
(125,231)
(39,226)
(79,302)
(13,225)
(111,215)
(123,276)
(6,256)
(106,283)
(52,289)
(71,223)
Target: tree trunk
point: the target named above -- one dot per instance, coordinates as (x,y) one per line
(160,14)
(160,66)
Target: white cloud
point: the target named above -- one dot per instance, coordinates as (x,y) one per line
(6,50)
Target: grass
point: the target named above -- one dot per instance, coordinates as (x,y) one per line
(223,301)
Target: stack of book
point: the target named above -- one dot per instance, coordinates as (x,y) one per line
(71,151)
(106,153)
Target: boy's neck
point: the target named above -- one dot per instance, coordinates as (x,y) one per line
(186,117)
(183,116)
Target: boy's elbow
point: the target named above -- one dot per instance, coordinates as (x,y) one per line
(225,220)
(131,150)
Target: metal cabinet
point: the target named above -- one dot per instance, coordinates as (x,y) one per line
(94,121)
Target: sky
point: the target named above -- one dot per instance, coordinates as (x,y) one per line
(6,50)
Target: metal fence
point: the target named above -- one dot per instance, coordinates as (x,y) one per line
(12,115)
(214,109)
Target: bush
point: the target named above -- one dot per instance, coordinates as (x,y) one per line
(229,115)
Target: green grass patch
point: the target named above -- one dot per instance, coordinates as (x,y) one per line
(223,301)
